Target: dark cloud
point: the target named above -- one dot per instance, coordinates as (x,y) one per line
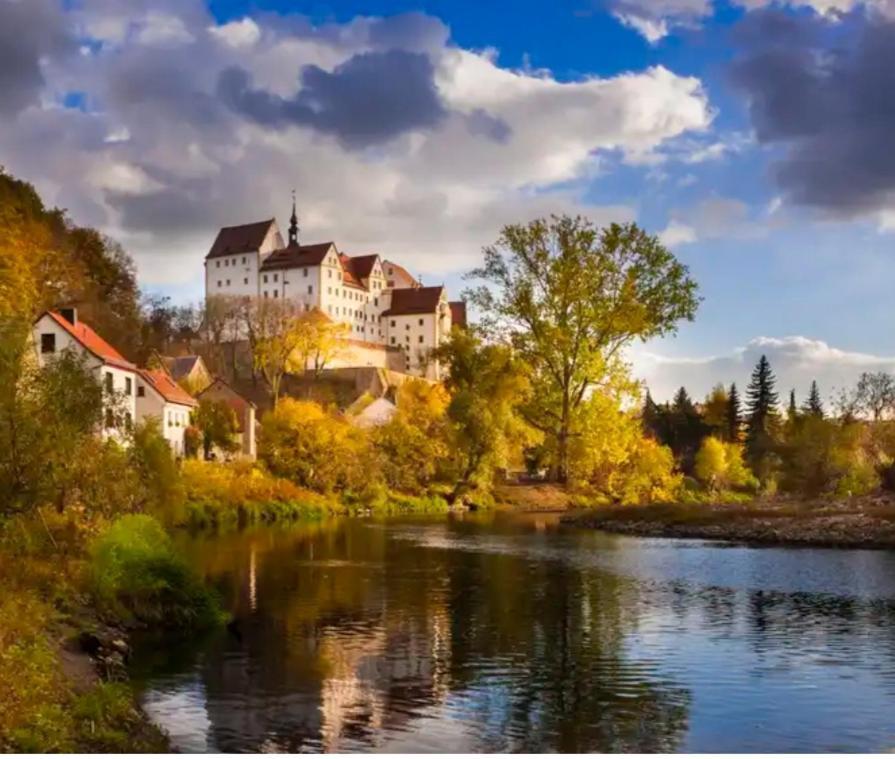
(368,100)
(825,94)
(482,123)
(29,31)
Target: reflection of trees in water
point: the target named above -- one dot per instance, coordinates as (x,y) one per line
(344,635)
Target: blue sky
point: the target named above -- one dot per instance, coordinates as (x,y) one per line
(749,134)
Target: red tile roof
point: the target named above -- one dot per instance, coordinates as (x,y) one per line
(458,313)
(295,256)
(348,275)
(164,384)
(91,341)
(243,238)
(414,300)
(221,391)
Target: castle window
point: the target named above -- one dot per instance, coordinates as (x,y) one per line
(310,289)
(219,283)
(421,338)
(228,283)
(304,272)
(245,281)
(48,343)
(243,259)
(421,322)
(329,290)
(276,294)
(329,273)
(265,279)
(393,340)
(406,326)
(393,322)
(217,264)
(375,301)
(265,293)
(276,277)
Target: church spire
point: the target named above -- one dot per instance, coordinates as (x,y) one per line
(293,224)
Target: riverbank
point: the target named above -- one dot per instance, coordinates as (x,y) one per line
(866,522)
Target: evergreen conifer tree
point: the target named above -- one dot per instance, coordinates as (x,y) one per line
(792,412)
(761,416)
(814,406)
(734,420)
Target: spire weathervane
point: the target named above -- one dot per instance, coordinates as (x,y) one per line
(293,224)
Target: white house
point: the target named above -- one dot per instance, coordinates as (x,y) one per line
(160,397)
(379,301)
(244,410)
(55,332)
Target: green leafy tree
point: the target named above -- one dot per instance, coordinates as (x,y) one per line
(487,385)
(568,297)
(762,419)
(218,424)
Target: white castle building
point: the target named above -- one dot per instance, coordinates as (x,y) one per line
(386,309)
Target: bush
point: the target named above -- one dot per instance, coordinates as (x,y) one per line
(137,577)
(720,465)
(237,493)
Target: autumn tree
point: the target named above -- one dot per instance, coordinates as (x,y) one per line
(568,297)
(218,426)
(875,394)
(715,410)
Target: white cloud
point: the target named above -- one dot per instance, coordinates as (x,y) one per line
(676,234)
(829,8)
(655,19)
(795,360)
(161,162)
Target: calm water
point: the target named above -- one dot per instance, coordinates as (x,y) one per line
(506,634)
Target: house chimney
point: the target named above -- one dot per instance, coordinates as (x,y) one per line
(70,314)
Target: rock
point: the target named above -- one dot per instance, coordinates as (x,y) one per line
(121,647)
(89,642)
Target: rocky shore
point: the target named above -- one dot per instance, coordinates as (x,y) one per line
(854,523)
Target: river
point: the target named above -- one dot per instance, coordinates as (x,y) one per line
(514,633)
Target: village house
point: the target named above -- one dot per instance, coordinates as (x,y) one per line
(381,304)
(245,412)
(55,332)
(190,372)
(159,396)
(131,394)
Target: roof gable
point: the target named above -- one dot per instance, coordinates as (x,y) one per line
(91,341)
(244,238)
(415,300)
(296,256)
(163,384)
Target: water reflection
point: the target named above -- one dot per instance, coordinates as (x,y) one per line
(515,635)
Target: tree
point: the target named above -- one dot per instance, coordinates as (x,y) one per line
(274,352)
(875,394)
(734,420)
(710,466)
(218,424)
(792,411)
(487,385)
(814,406)
(568,297)
(715,410)
(761,417)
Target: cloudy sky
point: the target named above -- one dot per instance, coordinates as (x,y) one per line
(754,136)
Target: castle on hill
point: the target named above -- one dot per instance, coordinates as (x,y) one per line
(393,320)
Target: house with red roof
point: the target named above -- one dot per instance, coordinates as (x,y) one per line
(161,398)
(244,409)
(57,331)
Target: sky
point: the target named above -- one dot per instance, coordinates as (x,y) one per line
(752,136)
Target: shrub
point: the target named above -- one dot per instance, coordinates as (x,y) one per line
(137,577)
(236,493)
(720,465)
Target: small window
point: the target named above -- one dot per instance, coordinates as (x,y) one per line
(48,343)
(276,294)
(393,322)
(128,386)
(265,279)
(421,322)
(110,382)
(141,391)
(375,301)
(219,283)
(310,289)
(305,272)
(276,277)
(329,291)
(217,264)
(228,283)
(329,273)
(265,293)
(226,262)
(406,326)
(393,340)
(245,281)
(243,259)
(421,338)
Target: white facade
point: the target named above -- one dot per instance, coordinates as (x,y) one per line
(352,291)
(173,418)
(52,337)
